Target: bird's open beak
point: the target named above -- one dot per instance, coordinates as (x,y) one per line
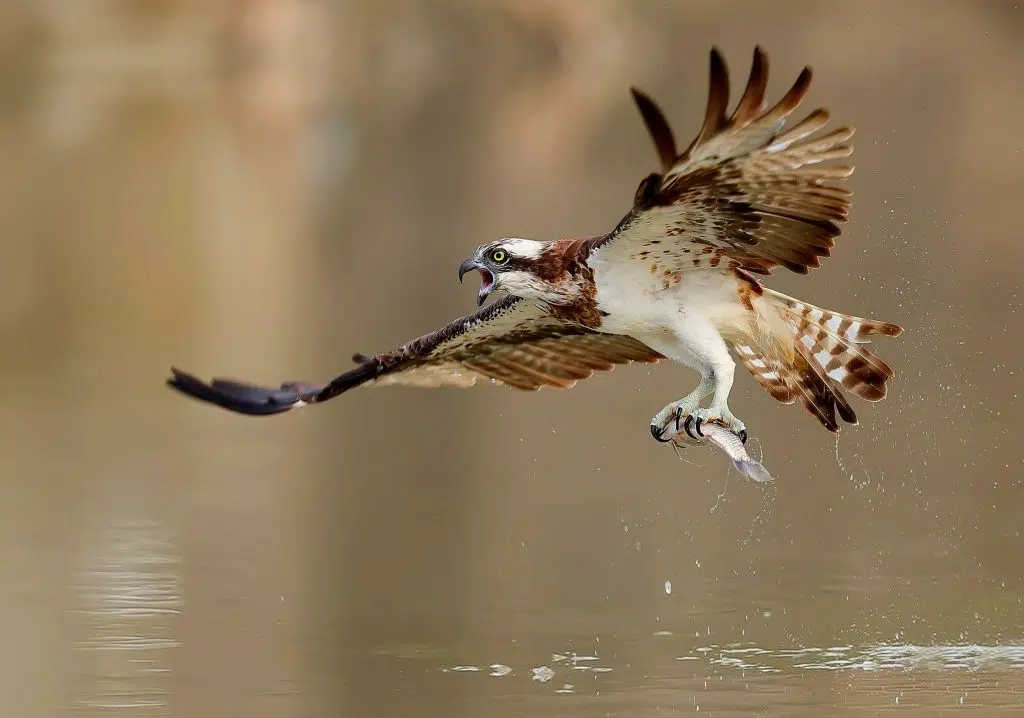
(468,266)
(488,280)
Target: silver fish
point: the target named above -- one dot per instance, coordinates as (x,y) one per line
(694,432)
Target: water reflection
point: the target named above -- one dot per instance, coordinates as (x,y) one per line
(129,593)
(873,658)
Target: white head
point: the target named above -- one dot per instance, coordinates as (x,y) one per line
(517,266)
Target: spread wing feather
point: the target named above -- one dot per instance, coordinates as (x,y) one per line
(512,341)
(744,189)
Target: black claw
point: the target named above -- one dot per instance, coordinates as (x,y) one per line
(687,423)
(679,415)
(697,427)
(742,433)
(656,433)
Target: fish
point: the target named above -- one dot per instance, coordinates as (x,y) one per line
(695,432)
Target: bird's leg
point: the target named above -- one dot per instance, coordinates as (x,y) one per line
(722,376)
(667,420)
(718,381)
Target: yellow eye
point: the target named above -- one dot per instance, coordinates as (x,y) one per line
(499,255)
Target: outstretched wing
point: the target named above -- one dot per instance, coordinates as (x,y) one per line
(744,189)
(512,341)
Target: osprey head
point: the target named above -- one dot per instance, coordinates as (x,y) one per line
(511,265)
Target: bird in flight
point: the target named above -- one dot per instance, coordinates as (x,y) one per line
(675,279)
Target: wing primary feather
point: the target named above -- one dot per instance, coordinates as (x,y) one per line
(804,128)
(792,99)
(718,100)
(657,127)
(370,369)
(753,96)
(249,399)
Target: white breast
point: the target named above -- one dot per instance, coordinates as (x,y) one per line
(634,296)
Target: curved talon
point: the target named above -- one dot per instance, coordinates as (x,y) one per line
(687,423)
(656,433)
(692,425)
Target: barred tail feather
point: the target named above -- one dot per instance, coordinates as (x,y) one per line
(814,355)
(771,372)
(789,380)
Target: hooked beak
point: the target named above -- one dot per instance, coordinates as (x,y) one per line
(468,266)
(488,280)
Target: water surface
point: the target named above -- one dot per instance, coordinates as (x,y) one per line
(412,553)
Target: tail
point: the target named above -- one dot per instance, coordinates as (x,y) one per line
(804,352)
(753,470)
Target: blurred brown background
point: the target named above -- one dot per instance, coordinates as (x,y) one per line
(258,188)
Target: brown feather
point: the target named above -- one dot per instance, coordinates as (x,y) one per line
(658,127)
(744,185)
(512,341)
(815,355)
(752,100)
(718,100)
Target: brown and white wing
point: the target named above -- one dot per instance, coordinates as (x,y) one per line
(512,341)
(746,191)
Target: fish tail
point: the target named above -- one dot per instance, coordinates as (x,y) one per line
(753,470)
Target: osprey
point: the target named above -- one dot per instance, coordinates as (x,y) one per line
(674,279)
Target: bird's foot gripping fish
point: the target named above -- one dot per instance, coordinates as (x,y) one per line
(688,432)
